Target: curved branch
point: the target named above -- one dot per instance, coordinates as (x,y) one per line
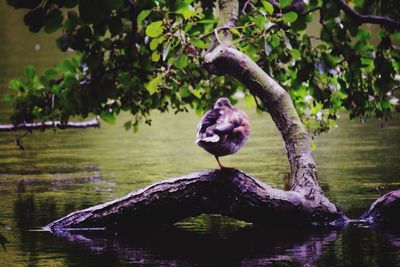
(227,192)
(384,21)
(49,124)
(385,210)
(225,60)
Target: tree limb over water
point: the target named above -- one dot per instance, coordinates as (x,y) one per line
(49,124)
(227,192)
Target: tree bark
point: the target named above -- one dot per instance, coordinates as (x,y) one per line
(227,192)
(385,210)
(226,60)
(49,124)
(360,18)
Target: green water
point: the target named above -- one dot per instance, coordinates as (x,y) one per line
(62,171)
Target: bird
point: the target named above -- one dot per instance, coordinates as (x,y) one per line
(223,130)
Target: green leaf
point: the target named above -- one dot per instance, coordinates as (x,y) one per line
(50,74)
(142,16)
(268,7)
(92,12)
(154,43)
(363,35)
(155,56)
(250,102)
(274,41)
(185,9)
(285,3)
(29,72)
(295,54)
(234,31)
(9,98)
(395,36)
(14,84)
(43,80)
(184,92)
(206,21)
(30,4)
(198,43)
(182,62)
(107,117)
(128,125)
(153,85)
(260,21)
(53,21)
(290,17)
(72,21)
(188,27)
(154,29)
(34,19)
(70,80)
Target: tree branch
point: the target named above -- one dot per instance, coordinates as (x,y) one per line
(384,21)
(225,60)
(49,124)
(385,210)
(227,192)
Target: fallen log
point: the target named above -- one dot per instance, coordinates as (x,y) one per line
(227,192)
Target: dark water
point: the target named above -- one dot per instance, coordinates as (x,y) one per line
(62,171)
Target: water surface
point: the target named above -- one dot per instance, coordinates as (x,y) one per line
(62,171)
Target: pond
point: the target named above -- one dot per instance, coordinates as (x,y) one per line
(62,171)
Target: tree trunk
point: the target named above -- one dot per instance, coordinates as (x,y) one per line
(223,59)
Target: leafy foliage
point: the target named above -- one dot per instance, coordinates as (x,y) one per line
(138,56)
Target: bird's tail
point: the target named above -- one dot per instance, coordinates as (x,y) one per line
(210,139)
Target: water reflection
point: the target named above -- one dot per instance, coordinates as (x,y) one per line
(171,246)
(63,171)
(247,246)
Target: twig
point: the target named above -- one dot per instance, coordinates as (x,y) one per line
(19,138)
(219,29)
(380,20)
(216,35)
(245,6)
(311,10)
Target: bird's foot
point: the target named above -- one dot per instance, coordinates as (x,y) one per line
(222,167)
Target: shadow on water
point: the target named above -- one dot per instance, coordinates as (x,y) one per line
(171,246)
(247,246)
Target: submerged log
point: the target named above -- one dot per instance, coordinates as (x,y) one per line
(228,192)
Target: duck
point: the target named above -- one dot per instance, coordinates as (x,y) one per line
(223,130)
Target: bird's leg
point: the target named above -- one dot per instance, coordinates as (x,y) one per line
(222,167)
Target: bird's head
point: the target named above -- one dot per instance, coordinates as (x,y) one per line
(222,102)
